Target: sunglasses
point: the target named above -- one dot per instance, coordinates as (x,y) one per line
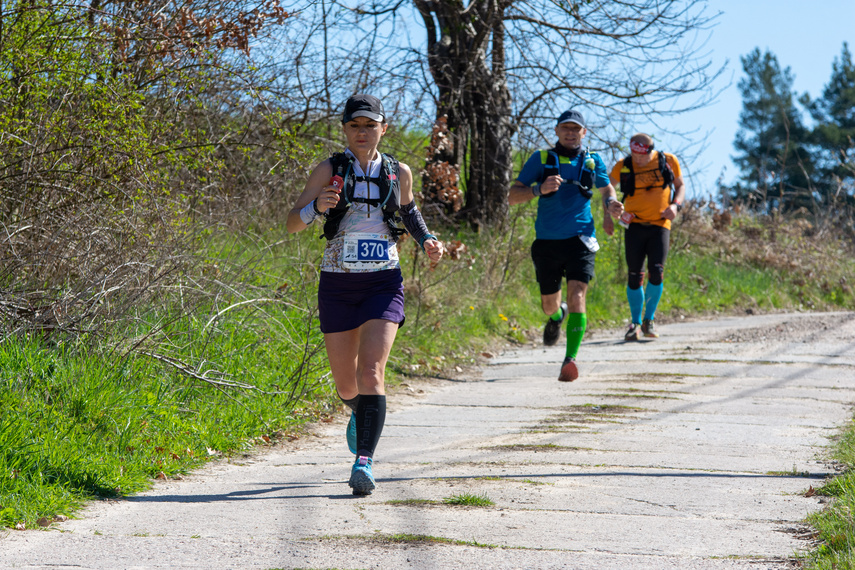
(640,148)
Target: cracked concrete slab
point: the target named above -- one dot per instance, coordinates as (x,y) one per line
(693,451)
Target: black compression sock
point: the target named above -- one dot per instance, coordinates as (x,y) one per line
(370,417)
(353,403)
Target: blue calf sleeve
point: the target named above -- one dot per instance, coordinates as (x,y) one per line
(653,293)
(636,303)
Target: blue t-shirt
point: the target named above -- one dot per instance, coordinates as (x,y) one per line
(565,213)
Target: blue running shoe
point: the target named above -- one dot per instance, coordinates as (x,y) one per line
(351,433)
(361,479)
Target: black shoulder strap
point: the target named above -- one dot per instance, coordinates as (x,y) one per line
(339,162)
(342,165)
(550,154)
(627,179)
(665,170)
(390,172)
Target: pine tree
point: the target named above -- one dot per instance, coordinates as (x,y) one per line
(776,165)
(834,136)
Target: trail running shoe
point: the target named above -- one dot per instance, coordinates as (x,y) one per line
(648,329)
(361,479)
(632,333)
(569,371)
(351,433)
(553,328)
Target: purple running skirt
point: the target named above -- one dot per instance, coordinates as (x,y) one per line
(347,300)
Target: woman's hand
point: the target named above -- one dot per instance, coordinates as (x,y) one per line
(318,196)
(328,198)
(434,249)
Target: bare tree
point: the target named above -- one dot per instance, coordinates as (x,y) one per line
(501,70)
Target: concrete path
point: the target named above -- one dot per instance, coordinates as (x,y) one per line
(692,451)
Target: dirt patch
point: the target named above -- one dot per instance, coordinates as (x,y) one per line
(589,414)
(797,329)
(572,418)
(653,378)
(537,448)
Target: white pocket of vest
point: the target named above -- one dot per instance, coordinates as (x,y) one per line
(590,242)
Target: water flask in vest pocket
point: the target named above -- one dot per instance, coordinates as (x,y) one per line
(625,219)
(337,181)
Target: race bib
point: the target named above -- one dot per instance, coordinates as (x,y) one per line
(365,251)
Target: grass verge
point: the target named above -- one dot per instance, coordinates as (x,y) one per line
(835,525)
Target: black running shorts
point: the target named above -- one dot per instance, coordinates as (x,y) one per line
(556,259)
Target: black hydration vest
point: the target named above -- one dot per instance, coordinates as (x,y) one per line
(585,181)
(390,193)
(627,176)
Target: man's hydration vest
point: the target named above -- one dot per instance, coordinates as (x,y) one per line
(627,176)
(387,182)
(584,179)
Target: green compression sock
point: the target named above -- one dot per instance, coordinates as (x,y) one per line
(576,324)
(558,315)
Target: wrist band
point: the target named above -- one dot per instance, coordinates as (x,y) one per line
(425,238)
(315,207)
(609,200)
(536,190)
(309,213)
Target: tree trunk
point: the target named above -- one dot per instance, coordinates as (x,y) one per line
(491,129)
(475,99)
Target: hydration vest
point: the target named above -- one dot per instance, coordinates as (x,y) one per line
(387,182)
(584,180)
(627,176)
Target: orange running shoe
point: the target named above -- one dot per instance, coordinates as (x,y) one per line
(569,371)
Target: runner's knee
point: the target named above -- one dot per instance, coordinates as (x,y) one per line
(657,274)
(635,279)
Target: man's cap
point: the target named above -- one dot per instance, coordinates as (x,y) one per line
(572,116)
(362,105)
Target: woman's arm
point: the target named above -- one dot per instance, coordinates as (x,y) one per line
(406,182)
(413,220)
(317,197)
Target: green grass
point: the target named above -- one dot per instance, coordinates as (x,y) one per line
(411,502)
(408,538)
(76,425)
(405,538)
(463,500)
(468,500)
(835,524)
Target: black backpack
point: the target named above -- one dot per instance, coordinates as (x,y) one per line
(627,176)
(390,193)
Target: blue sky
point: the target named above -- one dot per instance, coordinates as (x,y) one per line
(804,36)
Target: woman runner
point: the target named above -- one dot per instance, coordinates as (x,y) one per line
(360,291)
